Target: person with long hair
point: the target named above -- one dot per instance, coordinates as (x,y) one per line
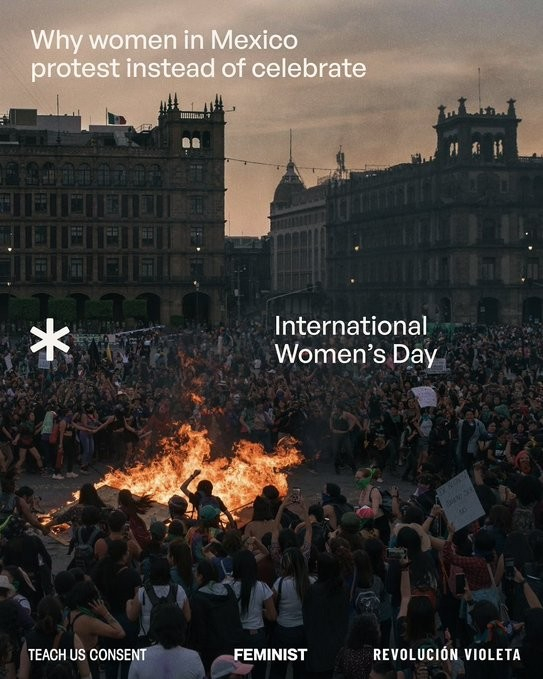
(355,658)
(134,509)
(88,497)
(117,583)
(326,613)
(49,634)
(180,559)
(262,520)
(341,549)
(255,598)
(290,591)
(367,580)
(91,620)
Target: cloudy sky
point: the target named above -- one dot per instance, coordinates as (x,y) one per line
(418,54)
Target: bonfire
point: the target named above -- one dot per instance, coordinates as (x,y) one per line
(236,479)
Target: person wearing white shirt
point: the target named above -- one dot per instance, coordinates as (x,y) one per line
(168,658)
(255,601)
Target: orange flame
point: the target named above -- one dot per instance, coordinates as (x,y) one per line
(236,480)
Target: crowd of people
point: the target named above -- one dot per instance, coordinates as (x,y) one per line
(362,569)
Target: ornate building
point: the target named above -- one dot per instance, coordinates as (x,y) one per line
(114,212)
(457,237)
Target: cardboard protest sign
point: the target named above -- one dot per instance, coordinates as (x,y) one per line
(459,501)
(426,396)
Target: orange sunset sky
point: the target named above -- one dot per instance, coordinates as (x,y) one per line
(418,54)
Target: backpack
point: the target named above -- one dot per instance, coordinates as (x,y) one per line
(84,548)
(11,523)
(366,601)
(523,518)
(158,602)
(386,502)
(341,508)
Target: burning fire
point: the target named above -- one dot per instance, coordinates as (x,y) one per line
(236,480)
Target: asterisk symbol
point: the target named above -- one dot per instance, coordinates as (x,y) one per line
(50,339)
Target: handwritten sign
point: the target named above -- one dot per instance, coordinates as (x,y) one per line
(426,396)
(43,363)
(459,501)
(439,367)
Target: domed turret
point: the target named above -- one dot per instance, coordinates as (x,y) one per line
(289,186)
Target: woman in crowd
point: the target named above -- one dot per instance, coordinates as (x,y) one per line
(325,613)
(255,600)
(181,571)
(290,591)
(139,607)
(355,658)
(90,619)
(49,634)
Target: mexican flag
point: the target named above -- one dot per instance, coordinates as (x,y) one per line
(112,119)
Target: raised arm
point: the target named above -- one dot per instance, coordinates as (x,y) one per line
(185,484)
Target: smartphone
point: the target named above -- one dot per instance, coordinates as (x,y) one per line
(509,563)
(296,494)
(396,553)
(460,583)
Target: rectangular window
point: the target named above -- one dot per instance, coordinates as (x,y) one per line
(76,268)
(488,268)
(444,269)
(40,268)
(112,267)
(196,171)
(5,236)
(5,203)
(76,203)
(112,203)
(147,235)
(196,205)
(112,235)
(148,204)
(40,235)
(532,269)
(40,203)
(147,269)
(5,269)
(197,235)
(76,235)
(197,269)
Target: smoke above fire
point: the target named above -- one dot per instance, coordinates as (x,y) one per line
(236,479)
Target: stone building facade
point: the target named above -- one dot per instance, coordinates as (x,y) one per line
(114,212)
(458,237)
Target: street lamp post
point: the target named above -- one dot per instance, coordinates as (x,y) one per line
(286,294)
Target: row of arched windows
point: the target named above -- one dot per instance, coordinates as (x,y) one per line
(69,174)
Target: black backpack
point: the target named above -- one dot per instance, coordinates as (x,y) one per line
(11,523)
(84,548)
(341,508)
(158,602)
